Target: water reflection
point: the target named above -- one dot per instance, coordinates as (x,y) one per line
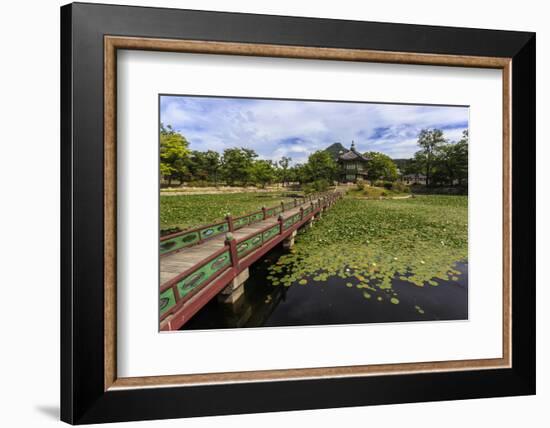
(334,301)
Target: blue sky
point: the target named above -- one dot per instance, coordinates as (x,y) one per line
(276,128)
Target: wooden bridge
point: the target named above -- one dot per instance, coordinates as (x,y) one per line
(198,264)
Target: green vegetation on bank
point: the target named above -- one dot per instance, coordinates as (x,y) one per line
(376,193)
(184,211)
(442,162)
(239,166)
(371,242)
(380,189)
(439,161)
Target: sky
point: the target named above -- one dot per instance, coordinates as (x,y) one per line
(296,128)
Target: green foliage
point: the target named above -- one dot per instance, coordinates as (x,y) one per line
(262,172)
(451,162)
(370,243)
(237,165)
(443,162)
(320,166)
(396,186)
(400,187)
(173,154)
(284,164)
(381,166)
(204,166)
(178,212)
(430,141)
(316,186)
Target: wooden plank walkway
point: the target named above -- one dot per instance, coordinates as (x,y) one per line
(173,264)
(191,276)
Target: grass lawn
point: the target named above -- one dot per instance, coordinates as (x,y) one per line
(185,211)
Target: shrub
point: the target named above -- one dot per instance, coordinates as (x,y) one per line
(321,185)
(384,183)
(401,187)
(360,185)
(307,188)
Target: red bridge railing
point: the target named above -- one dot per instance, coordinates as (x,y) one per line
(233,255)
(187,238)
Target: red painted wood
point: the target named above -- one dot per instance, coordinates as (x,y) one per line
(182,312)
(230,225)
(187,307)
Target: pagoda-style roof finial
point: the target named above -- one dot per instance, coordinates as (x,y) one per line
(352,145)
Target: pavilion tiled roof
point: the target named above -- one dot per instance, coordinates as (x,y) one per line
(353,155)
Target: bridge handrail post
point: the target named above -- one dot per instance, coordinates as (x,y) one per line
(301,213)
(280,220)
(230,225)
(295,202)
(232,242)
(282,206)
(264,211)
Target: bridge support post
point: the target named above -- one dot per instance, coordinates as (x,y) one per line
(235,289)
(289,242)
(307,225)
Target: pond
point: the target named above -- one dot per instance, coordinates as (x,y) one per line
(334,300)
(363,261)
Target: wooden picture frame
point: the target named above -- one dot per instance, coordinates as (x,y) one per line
(91,390)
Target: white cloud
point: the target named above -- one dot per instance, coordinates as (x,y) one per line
(275,128)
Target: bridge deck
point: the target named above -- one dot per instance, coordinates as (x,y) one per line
(173,264)
(193,275)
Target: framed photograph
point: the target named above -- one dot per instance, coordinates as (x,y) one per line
(266,213)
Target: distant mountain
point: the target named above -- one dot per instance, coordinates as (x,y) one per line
(335,149)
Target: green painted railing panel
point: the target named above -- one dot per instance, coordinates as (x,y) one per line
(274,211)
(240,222)
(270,233)
(178,242)
(203,274)
(194,237)
(290,221)
(214,230)
(249,244)
(256,217)
(167,300)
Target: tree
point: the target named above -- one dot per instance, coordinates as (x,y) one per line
(461,160)
(297,173)
(429,141)
(262,172)
(173,154)
(320,166)
(212,165)
(204,165)
(237,164)
(380,166)
(284,163)
(196,165)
